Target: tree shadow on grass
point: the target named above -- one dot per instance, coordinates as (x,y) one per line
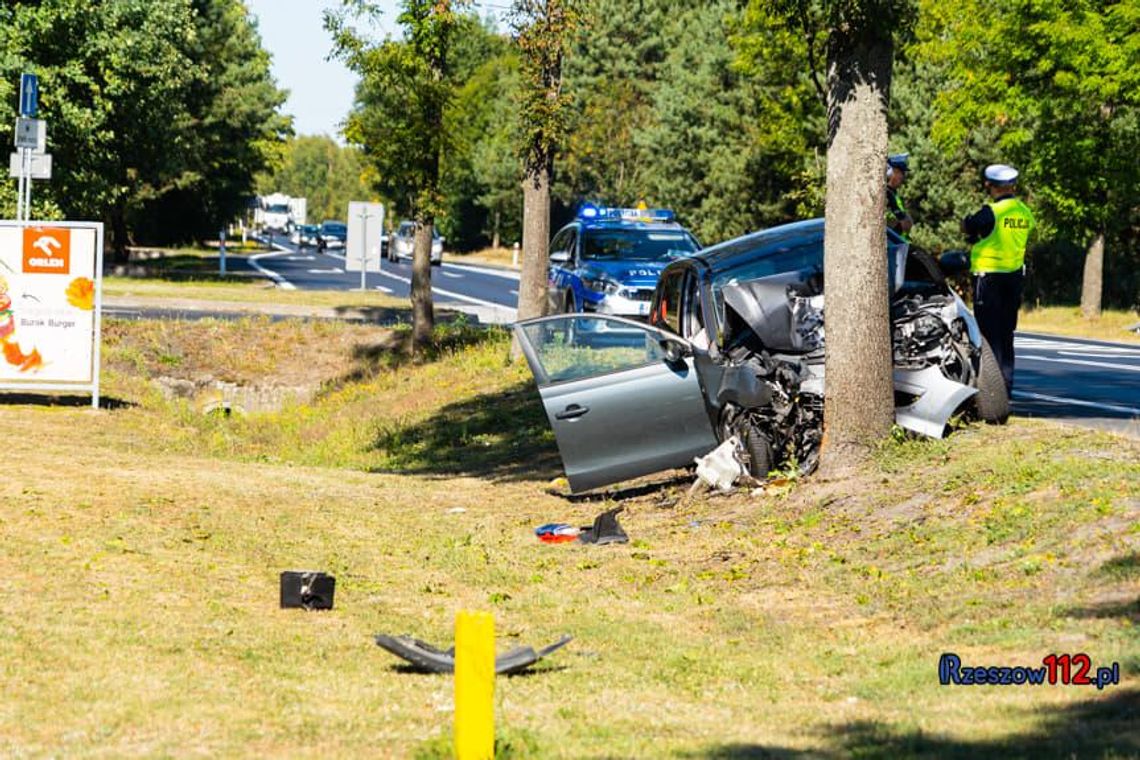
(49,399)
(1106,726)
(502,436)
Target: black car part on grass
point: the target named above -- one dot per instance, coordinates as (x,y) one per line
(426,658)
(307,589)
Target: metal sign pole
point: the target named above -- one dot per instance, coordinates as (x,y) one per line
(21,178)
(364,252)
(28,184)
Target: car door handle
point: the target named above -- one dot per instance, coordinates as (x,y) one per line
(572,412)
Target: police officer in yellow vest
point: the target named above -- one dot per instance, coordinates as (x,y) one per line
(898,167)
(999,233)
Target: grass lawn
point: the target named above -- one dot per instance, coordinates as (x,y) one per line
(142,547)
(1067,320)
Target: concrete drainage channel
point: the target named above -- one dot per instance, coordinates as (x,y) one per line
(227,399)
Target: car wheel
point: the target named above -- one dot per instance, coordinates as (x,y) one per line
(992,398)
(758,447)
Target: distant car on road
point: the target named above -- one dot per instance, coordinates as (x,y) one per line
(332,234)
(305,235)
(402,243)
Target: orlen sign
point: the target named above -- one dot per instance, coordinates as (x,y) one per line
(47,250)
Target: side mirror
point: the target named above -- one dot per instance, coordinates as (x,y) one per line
(675,350)
(954,262)
(560,257)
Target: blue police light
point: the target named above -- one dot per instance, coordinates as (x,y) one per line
(588,211)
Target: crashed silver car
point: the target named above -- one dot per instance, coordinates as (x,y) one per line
(735,350)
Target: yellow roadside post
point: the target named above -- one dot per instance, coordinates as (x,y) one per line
(474,686)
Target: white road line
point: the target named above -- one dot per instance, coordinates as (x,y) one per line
(300,258)
(450,294)
(514,292)
(334,270)
(383,289)
(277,278)
(1080,362)
(504,273)
(452,275)
(1076,402)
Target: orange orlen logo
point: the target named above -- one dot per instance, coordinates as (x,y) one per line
(47,250)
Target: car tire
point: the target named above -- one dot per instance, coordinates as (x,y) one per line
(759,449)
(992,399)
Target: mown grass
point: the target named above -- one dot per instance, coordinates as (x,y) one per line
(142,548)
(1112,324)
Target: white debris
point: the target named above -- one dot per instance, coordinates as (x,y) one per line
(720,468)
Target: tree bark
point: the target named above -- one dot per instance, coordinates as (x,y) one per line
(859,398)
(495,240)
(1092,283)
(535,246)
(423,314)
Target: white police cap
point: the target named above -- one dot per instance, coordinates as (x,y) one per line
(1000,174)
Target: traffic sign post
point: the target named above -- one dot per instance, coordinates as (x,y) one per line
(30,161)
(29,94)
(362,248)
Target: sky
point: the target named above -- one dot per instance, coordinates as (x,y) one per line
(320,91)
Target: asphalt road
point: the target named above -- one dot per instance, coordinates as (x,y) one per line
(1085,382)
(490,294)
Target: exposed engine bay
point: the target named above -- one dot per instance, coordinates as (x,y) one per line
(771,390)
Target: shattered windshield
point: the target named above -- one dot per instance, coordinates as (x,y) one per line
(637,245)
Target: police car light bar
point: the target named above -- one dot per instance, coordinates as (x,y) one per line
(590,212)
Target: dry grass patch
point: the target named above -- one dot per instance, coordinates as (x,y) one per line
(1112,324)
(142,548)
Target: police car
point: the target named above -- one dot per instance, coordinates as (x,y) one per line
(608,260)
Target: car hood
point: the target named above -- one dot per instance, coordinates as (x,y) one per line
(626,272)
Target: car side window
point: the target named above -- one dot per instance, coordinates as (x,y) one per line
(578,347)
(559,241)
(667,313)
(692,317)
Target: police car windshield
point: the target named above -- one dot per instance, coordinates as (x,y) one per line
(636,245)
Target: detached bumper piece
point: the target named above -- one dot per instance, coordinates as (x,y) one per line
(605,530)
(427,659)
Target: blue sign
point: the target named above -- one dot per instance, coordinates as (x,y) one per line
(29,95)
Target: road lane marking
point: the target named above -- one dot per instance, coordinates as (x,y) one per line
(450,294)
(1076,402)
(505,274)
(334,270)
(383,289)
(514,292)
(452,275)
(299,258)
(1081,362)
(277,278)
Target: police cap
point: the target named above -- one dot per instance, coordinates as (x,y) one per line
(899,161)
(1000,174)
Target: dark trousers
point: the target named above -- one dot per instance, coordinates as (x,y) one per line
(997,297)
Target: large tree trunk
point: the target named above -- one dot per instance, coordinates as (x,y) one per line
(535,245)
(1092,284)
(859,402)
(423,315)
(495,239)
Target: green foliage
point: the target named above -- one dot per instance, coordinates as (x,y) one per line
(158,110)
(326,174)
(405,87)
(543,32)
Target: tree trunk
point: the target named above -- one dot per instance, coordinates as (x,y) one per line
(423,315)
(495,239)
(859,398)
(535,246)
(1092,284)
(119,235)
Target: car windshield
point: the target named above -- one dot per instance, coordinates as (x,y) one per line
(278,209)
(636,245)
(335,228)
